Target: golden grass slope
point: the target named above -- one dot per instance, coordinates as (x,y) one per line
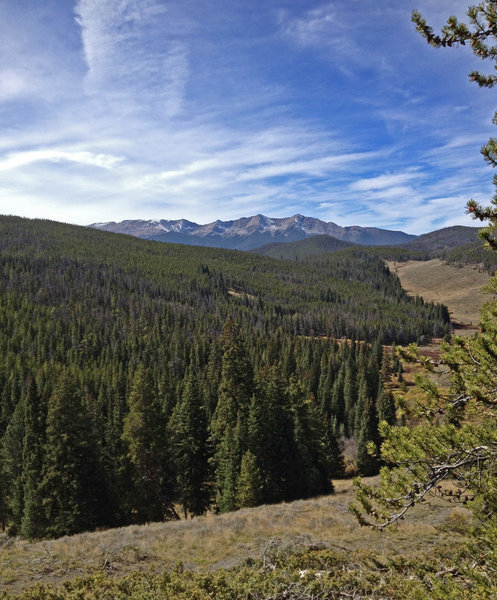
(223,541)
(459,288)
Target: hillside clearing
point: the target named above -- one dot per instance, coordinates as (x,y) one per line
(459,288)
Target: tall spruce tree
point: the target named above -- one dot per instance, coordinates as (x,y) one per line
(313,456)
(71,485)
(11,456)
(271,436)
(249,484)
(228,462)
(144,434)
(190,449)
(230,420)
(33,518)
(236,384)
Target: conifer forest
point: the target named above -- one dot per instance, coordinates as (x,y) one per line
(143,381)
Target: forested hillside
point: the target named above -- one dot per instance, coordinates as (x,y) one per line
(317,244)
(139,378)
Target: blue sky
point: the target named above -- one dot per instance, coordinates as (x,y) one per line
(203,109)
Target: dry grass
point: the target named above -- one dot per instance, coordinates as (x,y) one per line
(221,541)
(459,288)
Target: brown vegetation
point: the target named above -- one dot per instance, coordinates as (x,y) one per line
(222,541)
(459,288)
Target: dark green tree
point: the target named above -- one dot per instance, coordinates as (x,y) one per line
(33,518)
(190,450)
(71,485)
(12,447)
(367,441)
(144,434)
(271,436)
(236,384)
(228,462)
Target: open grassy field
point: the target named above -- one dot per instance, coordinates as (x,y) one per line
(223,541)
(459,288)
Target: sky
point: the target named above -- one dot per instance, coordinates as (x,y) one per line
(220,109)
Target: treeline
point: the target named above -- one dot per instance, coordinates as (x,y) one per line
(472,254)
(136,377)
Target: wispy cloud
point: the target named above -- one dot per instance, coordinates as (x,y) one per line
(131,57)
(145,109)
(22,159)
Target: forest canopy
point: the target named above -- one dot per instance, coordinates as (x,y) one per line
(141,379)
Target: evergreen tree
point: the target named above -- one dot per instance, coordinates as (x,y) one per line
(367,441)
(144,434)
(70,485)
(249,485)
(4,509)
(312,457)
(236,384)
(271,436)
(227,470)
(385,406)
(460,444)
(33,519)
(334,448)
(12,455)
(190,451)
(350,397)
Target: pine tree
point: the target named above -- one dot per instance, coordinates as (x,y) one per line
(460,444)
(334,448)
(313,457)
(4,509)
(249,485)
(71,486)
(227,470)
(33,519)
(236,384)
(271,436)
(230,420)
(385,406)
(12,459)
(367,441)
(144,434)
(190,450)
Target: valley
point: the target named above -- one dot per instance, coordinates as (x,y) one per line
(182,382)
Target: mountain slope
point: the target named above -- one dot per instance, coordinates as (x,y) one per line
(251,232)
(444,239)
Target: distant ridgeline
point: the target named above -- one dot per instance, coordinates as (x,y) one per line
(139,378)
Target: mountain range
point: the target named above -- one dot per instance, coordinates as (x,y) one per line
(252,232)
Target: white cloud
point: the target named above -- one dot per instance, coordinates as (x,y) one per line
(22,159)
(381,182)
(14,83)
(316,27)
(133,60)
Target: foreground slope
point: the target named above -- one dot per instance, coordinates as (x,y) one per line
(301,534)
